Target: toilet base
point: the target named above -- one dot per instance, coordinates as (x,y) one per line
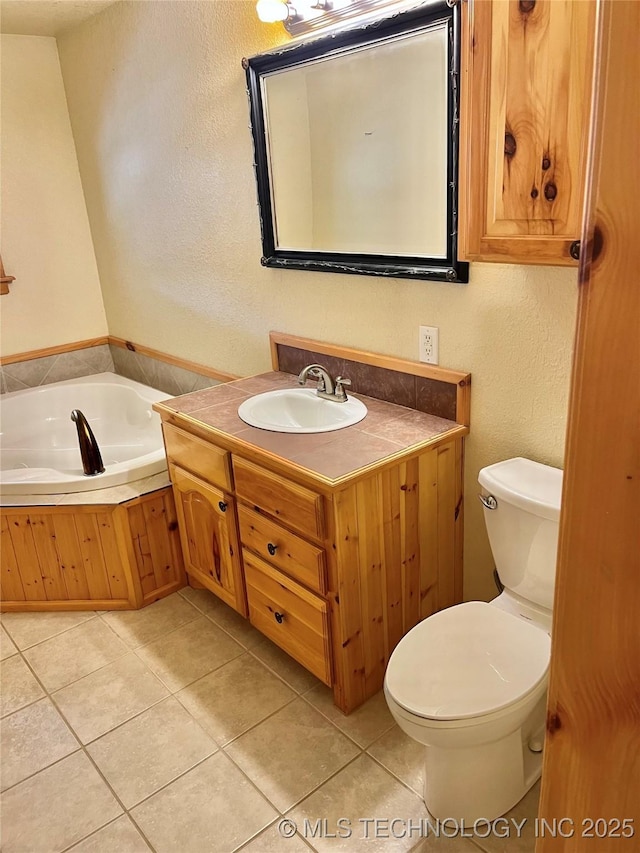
(481,782)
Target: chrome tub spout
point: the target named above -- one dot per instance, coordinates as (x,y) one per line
(91,457)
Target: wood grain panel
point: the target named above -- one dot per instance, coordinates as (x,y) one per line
(393,550)
(116,576)
(75,557)
(293,555)
(295,619)
(70,557)
(27,558)
(44,538)
(285,500)
(372,580)
(525,101)
(447,501)
(592,750)
(429,567)
(208,531)
(10,581)
(198,456)
(95,569)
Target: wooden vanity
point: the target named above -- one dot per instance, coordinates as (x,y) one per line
(332,544)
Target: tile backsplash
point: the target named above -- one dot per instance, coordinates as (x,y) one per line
(107,357)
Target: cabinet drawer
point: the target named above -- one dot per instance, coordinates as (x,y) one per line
(196,455)
(294,618)
(298,558)
(288,502)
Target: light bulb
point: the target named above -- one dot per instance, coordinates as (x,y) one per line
(272,11)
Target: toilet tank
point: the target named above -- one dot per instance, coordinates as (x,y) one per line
(523,525)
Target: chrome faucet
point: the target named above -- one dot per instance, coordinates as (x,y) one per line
(89,451)
(326,387)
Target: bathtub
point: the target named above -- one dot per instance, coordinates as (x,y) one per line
(39,452)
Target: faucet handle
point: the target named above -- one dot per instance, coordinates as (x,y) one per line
(340,393)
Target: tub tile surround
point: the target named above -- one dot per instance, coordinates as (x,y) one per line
(115,760)
(56,368)
(170,378)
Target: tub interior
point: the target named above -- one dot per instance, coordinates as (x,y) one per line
(38,435)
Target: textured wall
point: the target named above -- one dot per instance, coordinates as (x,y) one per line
(46,241)
(158,106)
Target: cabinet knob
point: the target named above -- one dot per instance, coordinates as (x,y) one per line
(223,506)
(279,617)
(271,548)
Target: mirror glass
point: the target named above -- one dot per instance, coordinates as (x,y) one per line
(356,149)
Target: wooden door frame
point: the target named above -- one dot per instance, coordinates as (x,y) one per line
(592,752)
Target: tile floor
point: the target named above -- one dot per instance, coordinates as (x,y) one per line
(180,729)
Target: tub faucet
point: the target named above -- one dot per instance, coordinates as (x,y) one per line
(91,457)
(326,387)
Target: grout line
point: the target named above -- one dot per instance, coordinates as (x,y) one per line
(53,636)
(96,831)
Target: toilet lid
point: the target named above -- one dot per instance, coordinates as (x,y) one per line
(466,661)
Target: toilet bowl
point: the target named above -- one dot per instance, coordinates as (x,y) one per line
(469,682)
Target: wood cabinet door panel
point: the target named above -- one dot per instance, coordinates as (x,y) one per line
(199,456)
(299,559)
(295,619)
(289,502)
(526,101)
(207,522)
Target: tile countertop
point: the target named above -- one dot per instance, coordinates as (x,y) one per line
(387,429)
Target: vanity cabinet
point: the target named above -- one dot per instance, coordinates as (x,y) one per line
(334,572)
(525,106)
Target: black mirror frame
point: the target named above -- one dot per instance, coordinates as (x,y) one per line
(448,268)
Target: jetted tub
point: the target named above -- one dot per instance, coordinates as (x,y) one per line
(39,452)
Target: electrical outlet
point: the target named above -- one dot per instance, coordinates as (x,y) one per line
(428,344)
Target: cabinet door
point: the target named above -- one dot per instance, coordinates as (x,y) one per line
(208,531)
(526,92)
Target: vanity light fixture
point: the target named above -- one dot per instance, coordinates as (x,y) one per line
(273,11)
(309,15)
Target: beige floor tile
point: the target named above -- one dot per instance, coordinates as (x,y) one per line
(521,836)
(235,697)
(189,653)
(401,755)
(121,836)
(444,841)
(285,666)
(114,694)
(138,627)
(32,739)
(364,725)
(153,749)
(274,841)
(56,807)
(211,808)
(27,629)
(18,686)
(291,753)
(369,799)
(226,617)
(75,653)
(7,647)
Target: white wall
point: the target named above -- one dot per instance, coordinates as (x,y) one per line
(46,241)
(159,112)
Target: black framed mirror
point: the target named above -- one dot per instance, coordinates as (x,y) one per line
(356,148)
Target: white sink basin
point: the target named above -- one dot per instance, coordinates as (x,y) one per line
(299,410)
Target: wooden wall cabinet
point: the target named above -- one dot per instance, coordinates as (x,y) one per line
(335,574)
(525,106)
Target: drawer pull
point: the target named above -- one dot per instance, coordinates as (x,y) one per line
(271,548)
(279,617)
(223,506)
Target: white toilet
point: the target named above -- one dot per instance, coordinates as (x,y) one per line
(470,682)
